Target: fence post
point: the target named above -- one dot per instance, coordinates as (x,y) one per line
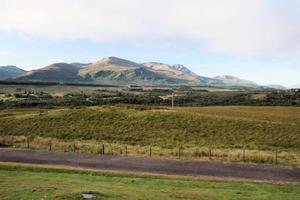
(209,153)
(50,145)
(276,156)
(150,151)
(12,141)
(74,147)
(126,150)
(103,150)
(244,152)
(27,140)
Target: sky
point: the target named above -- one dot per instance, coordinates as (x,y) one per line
(258,40)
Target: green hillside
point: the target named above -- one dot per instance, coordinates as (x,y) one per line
(230,126)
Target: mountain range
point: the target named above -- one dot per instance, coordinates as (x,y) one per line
(114,70)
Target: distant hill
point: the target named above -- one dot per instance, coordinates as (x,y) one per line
(57,72)
(276,86)
(117,70)
(10,71)
(234,81)
(172,71)
(114,70)
(181,72)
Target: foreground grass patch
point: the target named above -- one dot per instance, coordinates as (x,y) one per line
(37,183)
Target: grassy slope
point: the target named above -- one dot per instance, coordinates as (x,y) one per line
(36,183)
(219,126)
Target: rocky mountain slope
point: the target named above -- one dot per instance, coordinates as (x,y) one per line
(117,70)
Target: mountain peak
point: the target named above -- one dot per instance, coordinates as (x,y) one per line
(181,68)
(175,71)
(112,60)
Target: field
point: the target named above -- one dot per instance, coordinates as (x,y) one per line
(55,90)
(48,95)
(55,183)
(162,126)
(194,129)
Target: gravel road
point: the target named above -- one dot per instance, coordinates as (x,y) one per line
(148,165)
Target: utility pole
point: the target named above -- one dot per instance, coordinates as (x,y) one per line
(172,99)
(244,154)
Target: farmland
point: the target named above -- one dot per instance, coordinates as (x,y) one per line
(44,95)
(163,126)
(222,128)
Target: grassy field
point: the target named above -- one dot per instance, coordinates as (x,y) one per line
(46,183)
(225,130)
(232,126)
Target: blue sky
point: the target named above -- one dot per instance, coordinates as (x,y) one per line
(258,40)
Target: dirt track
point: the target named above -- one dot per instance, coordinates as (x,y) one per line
(169,167)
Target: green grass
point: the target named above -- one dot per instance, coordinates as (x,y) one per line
(44,183)
(226,127)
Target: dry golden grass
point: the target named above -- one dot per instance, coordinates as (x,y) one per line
(275,114)
(284,157)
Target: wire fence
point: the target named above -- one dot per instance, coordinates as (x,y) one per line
(276,156)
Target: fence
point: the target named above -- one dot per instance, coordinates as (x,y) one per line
(181,152)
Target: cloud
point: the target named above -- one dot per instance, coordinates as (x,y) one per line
(263,28)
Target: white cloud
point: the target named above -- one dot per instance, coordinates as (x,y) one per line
(262,28)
